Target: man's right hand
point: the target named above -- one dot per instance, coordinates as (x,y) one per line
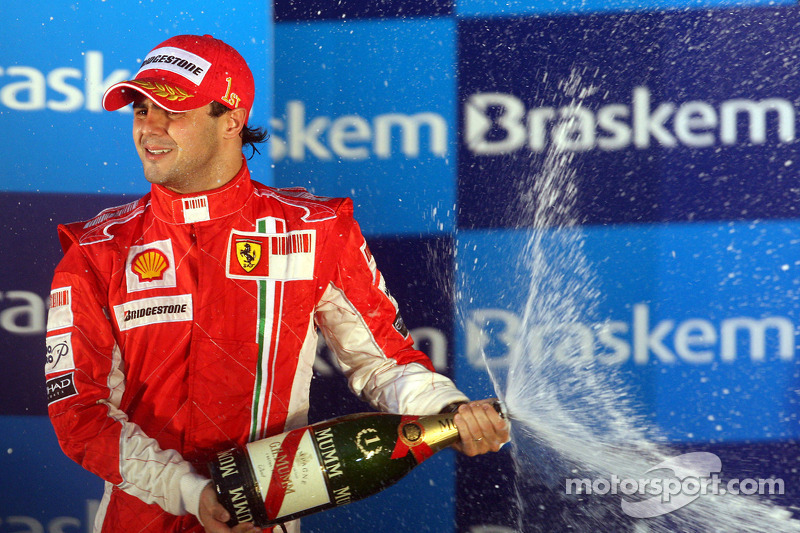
(214,516)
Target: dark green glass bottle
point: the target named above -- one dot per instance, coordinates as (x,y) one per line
(326,465)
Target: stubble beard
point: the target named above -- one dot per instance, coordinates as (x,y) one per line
(180,176)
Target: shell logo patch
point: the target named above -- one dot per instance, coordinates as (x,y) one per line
(150,265)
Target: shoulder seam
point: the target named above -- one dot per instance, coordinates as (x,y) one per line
(317,208)
(110,213)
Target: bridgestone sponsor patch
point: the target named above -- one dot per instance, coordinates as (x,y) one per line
(153,311)
(191,66)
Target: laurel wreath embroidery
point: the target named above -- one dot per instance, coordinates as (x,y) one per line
(165,91)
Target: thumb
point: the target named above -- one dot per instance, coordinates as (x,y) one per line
(218,512)
(210,508)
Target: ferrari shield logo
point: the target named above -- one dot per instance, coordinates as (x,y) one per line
(285,256)
(248,252)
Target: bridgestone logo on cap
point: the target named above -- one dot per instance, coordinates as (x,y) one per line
(186,64)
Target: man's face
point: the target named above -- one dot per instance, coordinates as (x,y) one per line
(180,151)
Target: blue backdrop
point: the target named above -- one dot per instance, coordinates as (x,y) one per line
(675,123)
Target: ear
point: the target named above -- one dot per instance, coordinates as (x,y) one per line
(234,122)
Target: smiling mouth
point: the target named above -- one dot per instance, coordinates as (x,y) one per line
(157,152)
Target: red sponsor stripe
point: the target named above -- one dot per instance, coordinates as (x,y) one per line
(59,298)
(284,460)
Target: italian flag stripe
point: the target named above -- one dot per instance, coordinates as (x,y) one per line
(259,394)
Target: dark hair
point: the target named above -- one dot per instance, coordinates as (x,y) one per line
(251,136)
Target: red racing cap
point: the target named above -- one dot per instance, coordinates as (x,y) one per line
(186,72)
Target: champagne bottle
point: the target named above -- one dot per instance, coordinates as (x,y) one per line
(325,465)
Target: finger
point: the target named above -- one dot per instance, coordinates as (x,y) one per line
(212,514)
(499,423)
(499,433)
(469,425)
(480,423)
(469,445)
(501,426)
(485,427)
(220,513)
(245,527)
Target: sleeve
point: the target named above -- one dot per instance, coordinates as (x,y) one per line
(85,383)
(362,325)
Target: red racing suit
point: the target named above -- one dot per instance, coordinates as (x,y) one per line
(182,325)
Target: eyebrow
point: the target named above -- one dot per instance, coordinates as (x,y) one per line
(139,102)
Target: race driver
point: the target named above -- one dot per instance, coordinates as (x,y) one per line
(185,322)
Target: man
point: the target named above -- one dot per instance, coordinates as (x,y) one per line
(190,315)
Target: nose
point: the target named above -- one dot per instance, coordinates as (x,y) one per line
(155,121)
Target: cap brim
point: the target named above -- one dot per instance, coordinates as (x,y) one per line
(166,96)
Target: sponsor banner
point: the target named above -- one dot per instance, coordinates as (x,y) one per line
(522,7)
(34,467)
(391,147)
(292,10)
(31,252)
(671,116)
(699,321)
(55,64)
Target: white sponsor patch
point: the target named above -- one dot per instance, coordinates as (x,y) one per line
(60,313)
(186,64)
(195,209)
(275,256)
(151,266)
(59,354)
(153,311)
